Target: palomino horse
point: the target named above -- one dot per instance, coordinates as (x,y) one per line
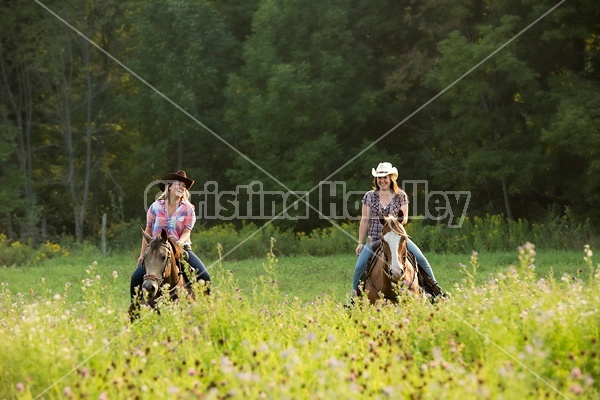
(162,262)
(393,268)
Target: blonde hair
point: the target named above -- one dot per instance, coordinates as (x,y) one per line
(165,194)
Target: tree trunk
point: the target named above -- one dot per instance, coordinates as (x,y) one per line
(89,132)
(64,112)
(9,227)
(506,199)
(20,100)
(44,235)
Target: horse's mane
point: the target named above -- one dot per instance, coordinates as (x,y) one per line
(175,248)
(390,219)
(156,242)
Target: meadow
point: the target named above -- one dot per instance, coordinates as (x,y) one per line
(522,324)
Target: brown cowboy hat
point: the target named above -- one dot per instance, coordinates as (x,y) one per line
(177,176)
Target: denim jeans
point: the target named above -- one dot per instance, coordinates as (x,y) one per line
(361,264)
(367,252)
(137,279)
(421,260)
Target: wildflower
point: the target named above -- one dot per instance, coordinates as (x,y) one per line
(20,387)
(388,390)
(68,392)
(246,376)
(226,364)
(576,373)
(576,389)
(334,362)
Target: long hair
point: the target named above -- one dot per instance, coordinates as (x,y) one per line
(393,184)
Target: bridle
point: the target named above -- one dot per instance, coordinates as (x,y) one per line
(159,280)
(404,260)
(387,266)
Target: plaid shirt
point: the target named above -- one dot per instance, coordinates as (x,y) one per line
(371,200)
(183,217)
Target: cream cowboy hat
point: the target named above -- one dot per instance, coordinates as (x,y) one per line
(384,169)
(177,176)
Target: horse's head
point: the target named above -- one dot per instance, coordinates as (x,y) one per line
(394,238)
(159,262)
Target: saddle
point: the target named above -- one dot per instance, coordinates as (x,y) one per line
(425,282)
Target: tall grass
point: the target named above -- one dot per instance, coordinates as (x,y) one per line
(489,233)
(515,336)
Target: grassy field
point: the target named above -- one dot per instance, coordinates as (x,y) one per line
(302,277)
(278,328)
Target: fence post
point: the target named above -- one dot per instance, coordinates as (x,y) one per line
(103,242)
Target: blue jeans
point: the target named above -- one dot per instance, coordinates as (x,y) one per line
(367,252)
(138,275)
(421,260)
(361,264)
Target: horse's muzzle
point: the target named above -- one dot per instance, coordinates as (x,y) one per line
(151,287)
(397,275)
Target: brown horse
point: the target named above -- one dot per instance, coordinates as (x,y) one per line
(162,261)
(393,269)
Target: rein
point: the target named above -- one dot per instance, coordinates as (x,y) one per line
(380,254)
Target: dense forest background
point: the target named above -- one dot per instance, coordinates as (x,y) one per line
(289,93)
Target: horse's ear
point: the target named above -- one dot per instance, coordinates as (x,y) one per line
(146,236)
(400,214)
(381,220)
(163,235)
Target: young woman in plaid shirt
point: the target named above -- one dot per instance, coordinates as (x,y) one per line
(176,215)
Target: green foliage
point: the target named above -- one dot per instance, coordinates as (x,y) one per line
(299,88)
(50,250)
(15,253)
(515,336)
(299,93)
(126,235)
(496,233)
(574,135)
(490,233)
(250,242)
(185,51)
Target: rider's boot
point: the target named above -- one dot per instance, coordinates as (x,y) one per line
(437,290)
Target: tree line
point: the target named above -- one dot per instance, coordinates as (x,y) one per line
(99,98)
